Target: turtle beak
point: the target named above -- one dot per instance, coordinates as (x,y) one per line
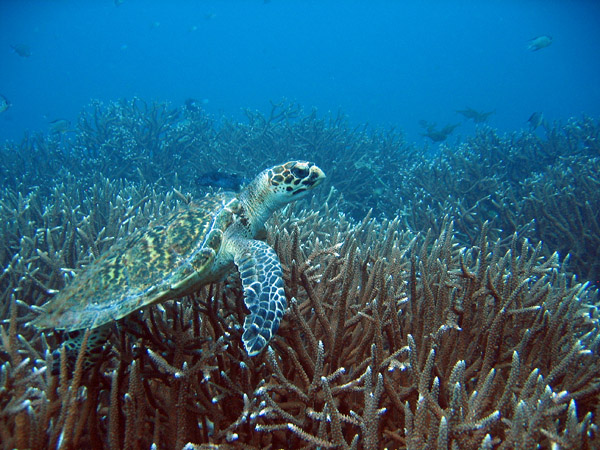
(314,178)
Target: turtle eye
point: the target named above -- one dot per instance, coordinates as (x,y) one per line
(300,172)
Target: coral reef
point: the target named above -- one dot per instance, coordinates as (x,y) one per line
(473,335)
(386,332)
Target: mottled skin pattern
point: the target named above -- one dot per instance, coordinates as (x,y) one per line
(197,245)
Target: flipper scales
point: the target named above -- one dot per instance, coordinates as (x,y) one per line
(264,295)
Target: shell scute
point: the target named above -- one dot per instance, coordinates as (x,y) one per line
(167,259)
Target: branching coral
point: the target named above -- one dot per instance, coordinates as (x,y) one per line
(547,189)
(467,336)
(159,145)
(566,206)
(454,343)
(390,341)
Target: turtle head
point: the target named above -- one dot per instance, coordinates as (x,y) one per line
(275,187)
(292,180)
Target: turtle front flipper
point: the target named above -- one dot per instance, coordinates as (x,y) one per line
(262,280)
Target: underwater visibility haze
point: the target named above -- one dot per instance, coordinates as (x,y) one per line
(383,62)
(437,289)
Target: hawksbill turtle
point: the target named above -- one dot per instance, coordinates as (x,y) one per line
(195,246)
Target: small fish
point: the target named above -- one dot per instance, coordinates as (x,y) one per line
(23,50)
(60,126)
(474,115)
(223,180)
(4,103)
(119,2)
(539,43)
(535,120)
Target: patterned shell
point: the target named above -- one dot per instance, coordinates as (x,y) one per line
(166,260)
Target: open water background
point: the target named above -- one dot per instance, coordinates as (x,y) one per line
(389,63)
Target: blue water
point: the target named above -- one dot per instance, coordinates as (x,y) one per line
(389,63)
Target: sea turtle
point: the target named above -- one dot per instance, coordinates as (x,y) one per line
(197,245)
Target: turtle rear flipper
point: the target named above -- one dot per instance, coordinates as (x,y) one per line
(262,280)
(72,344)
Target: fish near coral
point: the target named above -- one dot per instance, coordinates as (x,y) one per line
(197,245)
(539,43)
(535,120)
(438,135)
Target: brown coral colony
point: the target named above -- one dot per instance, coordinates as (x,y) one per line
(432,304)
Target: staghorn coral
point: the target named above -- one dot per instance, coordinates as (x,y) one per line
(451,344)
(162,146)
(487,177)
(565,203)
(545,189)
(469,336)
(391,341)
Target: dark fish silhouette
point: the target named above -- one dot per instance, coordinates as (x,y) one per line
(535,120)
(474,115)
(223,180)
(539,43)
(22,50)
(437,135)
